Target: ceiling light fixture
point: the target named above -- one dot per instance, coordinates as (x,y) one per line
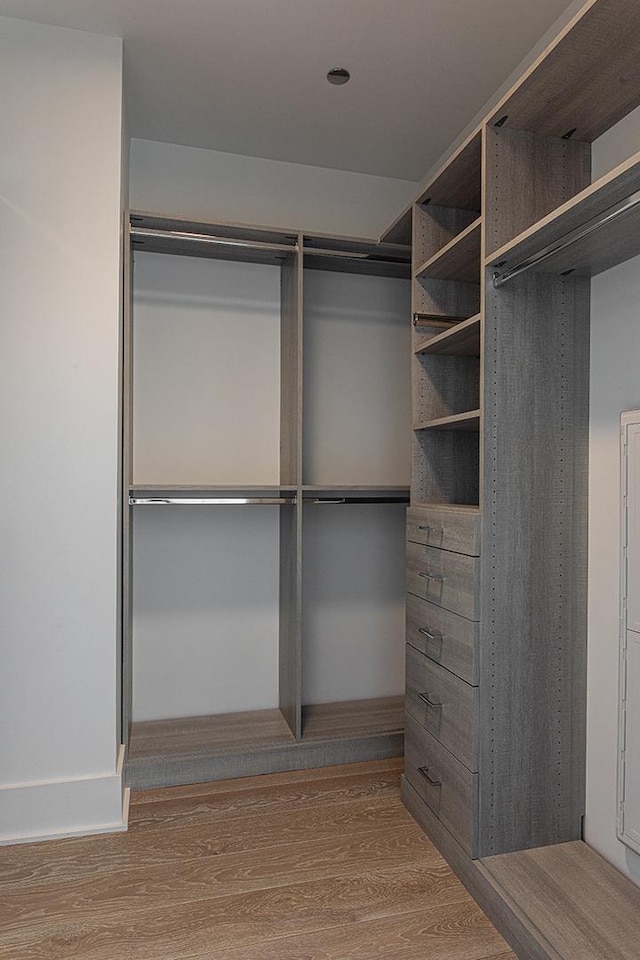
(338,76)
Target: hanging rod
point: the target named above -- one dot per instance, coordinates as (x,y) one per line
(340,500)
(142,232)
(612,213)
(209,501)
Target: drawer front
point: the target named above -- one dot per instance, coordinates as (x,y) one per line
(457,530)
(443,636)
(445,785)
(444,705)
(448,579)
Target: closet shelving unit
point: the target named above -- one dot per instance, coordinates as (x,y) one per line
(495,726)
(302,730)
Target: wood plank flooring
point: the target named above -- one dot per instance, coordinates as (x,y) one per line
(309,865)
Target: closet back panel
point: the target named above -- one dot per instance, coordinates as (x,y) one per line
(353,601)
(206,371)
(357,403)
(205,610)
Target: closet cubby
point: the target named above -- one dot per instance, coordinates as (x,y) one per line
(255,467)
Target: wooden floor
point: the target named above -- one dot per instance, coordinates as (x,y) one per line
(310,865)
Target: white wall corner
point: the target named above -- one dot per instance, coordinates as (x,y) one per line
(74,807)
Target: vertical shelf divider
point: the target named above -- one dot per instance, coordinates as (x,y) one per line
(290,629)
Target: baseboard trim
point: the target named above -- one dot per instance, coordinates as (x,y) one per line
(71,807)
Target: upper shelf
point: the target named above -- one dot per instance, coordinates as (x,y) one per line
(400,230)
(458,260)
(585,81)
(543,247)
(458,183)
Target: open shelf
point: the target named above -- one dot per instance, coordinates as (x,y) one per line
(461,507)
(612,243)
(458,260)
(328,721)
(400,230)
(352,255)
(197,749)
(585,81)
(203,490)
(351,493)
(468,422)
(460,340)
(457,183)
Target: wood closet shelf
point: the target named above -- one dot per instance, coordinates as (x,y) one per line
(196,490)
(585,81)
(608,245)
(458,260)
(457,183)
(468,422)
(460,340)
(193,749)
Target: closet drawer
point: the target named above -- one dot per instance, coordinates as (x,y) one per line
(444,637)
(445,785)
(449,579)
(445,705)
(456,530)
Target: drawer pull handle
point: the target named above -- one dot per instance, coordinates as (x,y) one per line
(429,528)
(435,577)
(425,773)
(430,703)
(431,636)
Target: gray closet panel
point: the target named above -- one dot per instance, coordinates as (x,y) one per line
(534,511)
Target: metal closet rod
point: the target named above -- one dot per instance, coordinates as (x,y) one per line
(612,213)
(209,501)
(148,232)
(338,500)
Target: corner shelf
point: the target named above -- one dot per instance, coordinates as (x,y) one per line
(468,422)
(457,182)
(460,340)
(611,244)
(458,260)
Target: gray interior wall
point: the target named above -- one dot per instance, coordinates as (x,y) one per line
(353,602)
(357,412)
(206,371)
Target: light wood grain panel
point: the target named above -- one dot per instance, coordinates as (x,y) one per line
(263,781)
(232,835)
(190,928)
(586,80)
(445,637)
(47,887)
(456,932)
(209,808)
(579,904)
(445,705)
(468,421)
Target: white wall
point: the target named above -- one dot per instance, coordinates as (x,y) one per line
(60,194)
(209,185)
(615,386)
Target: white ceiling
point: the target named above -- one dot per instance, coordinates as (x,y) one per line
(248,76)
